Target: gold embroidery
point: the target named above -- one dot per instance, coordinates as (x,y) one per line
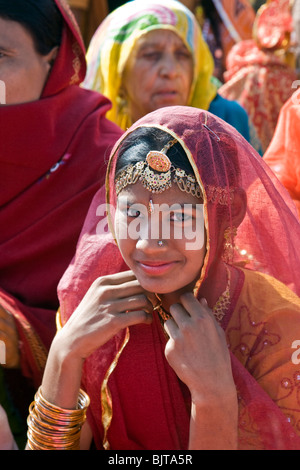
(38,349)
(76,63)
(58,321)
(219,310)
(218,195)
(66,11)
(223,301)
(106,399)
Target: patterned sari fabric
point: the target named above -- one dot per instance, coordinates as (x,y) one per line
(260,72)
(116,37)
(231,23)
(261,81)
(52,161)
(282,154)
(237,17)
(137,401)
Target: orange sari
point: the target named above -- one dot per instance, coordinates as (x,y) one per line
(260,335)
(237,17)
(282,154)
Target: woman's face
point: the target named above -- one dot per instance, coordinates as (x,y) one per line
(22,69)
(158,73)
(144,219)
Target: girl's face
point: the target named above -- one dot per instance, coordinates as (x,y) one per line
(161,237)
(158,73)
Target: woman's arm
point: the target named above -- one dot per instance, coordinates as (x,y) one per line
(111,304)
(214,425)
(198,353)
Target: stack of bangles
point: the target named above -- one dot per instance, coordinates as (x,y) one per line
(54,428)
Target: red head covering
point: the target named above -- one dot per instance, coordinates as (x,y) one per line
(53,159)
(145,406)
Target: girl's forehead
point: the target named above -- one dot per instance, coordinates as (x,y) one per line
(139,194)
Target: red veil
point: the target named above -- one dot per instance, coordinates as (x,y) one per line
(53,160)
(137,401)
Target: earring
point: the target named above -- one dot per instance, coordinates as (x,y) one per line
(160,243)
(228,248)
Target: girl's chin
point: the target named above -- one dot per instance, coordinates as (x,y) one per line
(161,288)
(155,286)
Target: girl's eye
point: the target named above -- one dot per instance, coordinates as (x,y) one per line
(131,212)
(180,217)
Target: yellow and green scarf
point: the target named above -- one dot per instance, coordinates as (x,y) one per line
(116,37)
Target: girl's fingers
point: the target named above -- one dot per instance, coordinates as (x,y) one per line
(179,313)
(135,317)
(135,302)
(171,328)
(116,279)
(196,307)
(128,289)
(117,286)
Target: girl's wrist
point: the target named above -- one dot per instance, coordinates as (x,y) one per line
(220,398)
(62,377)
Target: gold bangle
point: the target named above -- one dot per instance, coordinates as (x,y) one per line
(53,428)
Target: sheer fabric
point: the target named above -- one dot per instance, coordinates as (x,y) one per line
(124,413)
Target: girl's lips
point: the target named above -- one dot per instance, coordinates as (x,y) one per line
(156,267)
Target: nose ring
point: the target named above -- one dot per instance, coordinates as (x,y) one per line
(160,243)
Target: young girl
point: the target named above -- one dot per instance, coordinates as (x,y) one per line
(180,327)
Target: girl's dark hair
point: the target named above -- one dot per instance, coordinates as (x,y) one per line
(41,18)
(136,145)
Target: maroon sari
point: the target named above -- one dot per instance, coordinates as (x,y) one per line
(53,160)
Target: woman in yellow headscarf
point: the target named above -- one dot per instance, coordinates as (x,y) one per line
(154,53)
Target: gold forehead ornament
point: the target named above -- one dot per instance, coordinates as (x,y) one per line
(155,173)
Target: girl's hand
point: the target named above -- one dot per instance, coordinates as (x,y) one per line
(197,350)
(111,304)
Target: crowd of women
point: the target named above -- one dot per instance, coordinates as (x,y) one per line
(149,213)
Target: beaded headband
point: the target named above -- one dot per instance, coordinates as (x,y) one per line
(155,173)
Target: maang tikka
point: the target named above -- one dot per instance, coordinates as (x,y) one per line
(158,161)
(155,173)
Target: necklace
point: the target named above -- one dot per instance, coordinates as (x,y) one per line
(223,302)
(219,310)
